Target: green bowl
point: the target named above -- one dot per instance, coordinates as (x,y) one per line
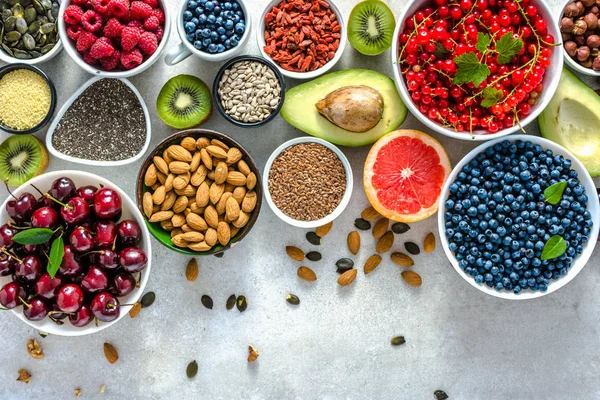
(164,237)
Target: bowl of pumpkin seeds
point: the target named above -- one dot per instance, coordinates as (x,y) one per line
(29,31)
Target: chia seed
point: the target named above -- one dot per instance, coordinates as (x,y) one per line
(105,123)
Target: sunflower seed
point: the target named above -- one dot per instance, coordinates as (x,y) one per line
(343,265)
(148,299)
(313,255)
(207,302)
(412,248)
(313,238)
(292,299)
(230,302)
(400,227)
(192,369)
(362,224)
(398,340)
(241,303)
(440,395)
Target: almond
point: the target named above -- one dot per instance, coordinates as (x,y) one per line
(161,216)
(178,220)
(169,182)
(354,242)
(429,244)
(196,222)
(219,143)
(186,228)
(206,159)
(169,201)
(251,181)
(200,246)
(187,191)
(180,204)
(199,175)
(192,237)
(159,195)
(401,259)
(160,177)
(370,214)
(243,167)
(242,220)
(221,172)
(215,192)
(221,204)
(161,165)
(195,209)
(223,233)
(307,274)
(150,176)
(210,237)
(216,152)
(412,278)
(202,196)
(385,243)
(188,143)
(168,159)
(249,202)
(155,186)
(147,204)
(178,241)
(236,178)
(179,153)
(233,155)
(234,231)
(202,143)
(181,181)
(372,263)
(294,253)
(380,228)
(323,230)
(347,277)
(196,160)
(176,231)
(167,225)
(110,353)
(239,193)
(232,209)
(211,216)
(179,167)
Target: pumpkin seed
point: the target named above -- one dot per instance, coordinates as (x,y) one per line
(38,7)
(23,55)
(241,303)
(21,25)
(343,265)
(35,54)
(18,10)
(47,48)
(47,4)
(313,238)
(362,224)
(412,248)
(440,395)
(34,28)
(398,340)
(12,36)
(47,28)
(220,255)
(7,50)
(148,299)
(230,302)
(292,299)
(313,255)
(54,10)
(30,15)
(192,369)
(6,14)
(207,302)
(10,23)
(400,227)
(42,334)
(28,41)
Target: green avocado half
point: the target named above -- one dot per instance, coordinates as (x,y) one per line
(572,119)
(300,111)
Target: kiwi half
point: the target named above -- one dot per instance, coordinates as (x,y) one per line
(21,158)
(184,102)
(371,27)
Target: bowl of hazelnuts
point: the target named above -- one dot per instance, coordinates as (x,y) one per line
(580,31)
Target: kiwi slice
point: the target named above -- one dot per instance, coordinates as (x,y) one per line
(371,27)
(21,158)
(184,102)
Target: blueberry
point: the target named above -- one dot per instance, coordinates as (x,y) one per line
(227,6)
(212,48)
(198,45)
(240,28)
(220,48)
(205,32)
(187,15)
(202,18)
(211,19)
(206,42)
(223,38)
(195,21)
(198,34)
(221,30)
(217,10)
(235,6)
(198,11)
(219,21)
(228,24)
(214,36)
(190,37)
(192,4)
(189,27)
(210,7)
(234,41)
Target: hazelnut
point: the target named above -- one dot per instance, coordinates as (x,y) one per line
(593,41)
(566,36)
(595,10)
(580,27)
(587,63)
(566,25)
(571,48)
(596,64)
(591,20)
(588,3)
(580,8)
(571,10)
(598,3)
(594,53)
(580,40)
(583,53)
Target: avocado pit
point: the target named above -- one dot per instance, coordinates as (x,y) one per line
(353,108)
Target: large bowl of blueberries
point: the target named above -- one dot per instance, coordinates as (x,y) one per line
(519,217)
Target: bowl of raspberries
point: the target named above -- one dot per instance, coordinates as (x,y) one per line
(114,38)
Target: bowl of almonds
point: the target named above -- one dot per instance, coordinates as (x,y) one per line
(200,192)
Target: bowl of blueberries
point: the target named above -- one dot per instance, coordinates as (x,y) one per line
(519,217)
(212,30)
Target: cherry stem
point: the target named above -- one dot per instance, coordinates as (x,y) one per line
(3,250)
(24,302)
(4,309)
(58,202)
(35,187)
(8,190)
(9,223)
(60,312)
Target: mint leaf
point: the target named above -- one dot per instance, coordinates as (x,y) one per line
(554,193)
(507,48)
(483,42)
(57,252)
(33,236)
(554,248)
(470,70)
(491,96)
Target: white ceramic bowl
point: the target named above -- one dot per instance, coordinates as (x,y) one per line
(572,64)
(66,106)
(260,38)
(130,211)
(550,82)
(96,70)
(185,49)
(345,199)
(593,208)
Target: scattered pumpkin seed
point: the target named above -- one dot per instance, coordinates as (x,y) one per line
(220,255)
(242,303)
(362,224)
(42,334)
(192,369)
(148,299)
(292,299)
(412,248)
(400,227)
(313,238)
(440,395)
(230,302)
(313,255)
(207,302)
(343,265)
(398,340)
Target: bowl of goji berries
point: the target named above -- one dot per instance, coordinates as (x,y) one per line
(477,69)
(114,38)
(303,38)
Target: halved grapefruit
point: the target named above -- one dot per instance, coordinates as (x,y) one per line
(404,174)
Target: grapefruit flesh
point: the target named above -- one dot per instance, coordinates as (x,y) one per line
(404,174)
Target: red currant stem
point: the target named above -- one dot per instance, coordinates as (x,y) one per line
(466,15)
(413,33)
(518,121)
(8,189)
(471,122)
(3,250)
(58,202)
(26,304)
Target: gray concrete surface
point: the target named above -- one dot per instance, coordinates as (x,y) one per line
(335,345)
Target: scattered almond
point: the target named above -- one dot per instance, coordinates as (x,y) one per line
(252,354)
(429,244)
(294,253)
(372,263)
(110,353)
(135,309)
(412,278)
(370,214)
(401,259)
(34,349)
(385,243)
(354,242)
(307,274)
(347,277)
(323,230)
(191,271)
(380,228)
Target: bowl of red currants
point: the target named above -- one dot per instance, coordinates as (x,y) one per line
(477,69)
(74,253)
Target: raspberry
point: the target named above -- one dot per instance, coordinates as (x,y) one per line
(74,31)
(160,14)
(137,25)
(91,21)
(118,8)
(102,48)
(129,38)
(85,41)
(139,10)
(148,43)
(79,2)
(159,33)
(152,3)
(112,62)
(101,6)
(131,59)
(89,59)
(113,29)
(151,23)
(73,15)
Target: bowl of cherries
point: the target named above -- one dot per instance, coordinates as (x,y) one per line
(74,252)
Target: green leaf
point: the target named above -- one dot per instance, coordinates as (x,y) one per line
(483,42)
(554,193)
(440,51)
(554,248)
(33,236)
(470,70)
(57,253)
(507,48)
(491,96)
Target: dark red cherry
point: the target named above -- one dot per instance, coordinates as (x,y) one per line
(81,240)
(56,314)
(129,233)
(31,249)
(88,193)
(107,259)
(105,307)
(124,283)
(22,208)
(48,287)
(7,265)
(37,310)
(70,266)
(30,270)
(45,217)
(10,293)
(107,203)
(133,259)
(95,280)
(6,236)
(69,298)
(62,189)
(76,210)
(81,317)
(106,232)
(47,202)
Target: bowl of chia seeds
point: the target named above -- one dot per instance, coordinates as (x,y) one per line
(104,123)
(249,91)
(519,217)
(307,182)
